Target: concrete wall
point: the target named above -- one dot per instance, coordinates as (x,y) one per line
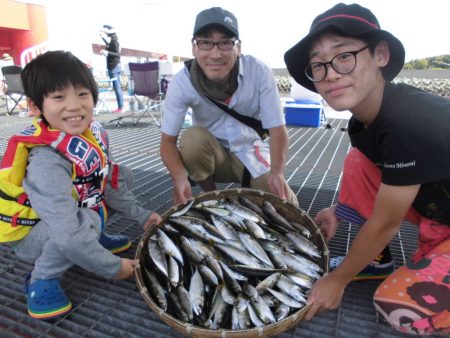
(425,73)
(405,73)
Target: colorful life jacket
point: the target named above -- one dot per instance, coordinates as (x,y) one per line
(88,154)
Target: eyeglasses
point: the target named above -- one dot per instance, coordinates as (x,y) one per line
(343,63)
(223,45)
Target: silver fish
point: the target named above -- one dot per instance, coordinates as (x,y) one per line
(255,249)
(268,282)
(233,274)
(277,260)
(218,311)
(254,317)
(224,228)
(168,246)
(240,256)
(250,291)
(294,265)
(170,229)
(254,229)
(174,272)
(234,319)
(228,296)
(156,290)
(197,293)
(304,245)
(214,265)
(263,310)
(238,209)
(207,203)
(157,257)
(248,203)
(229,279)
(208,275)
(307,262)
(244,319)
(179,310)
(204,249)
(195,228)
(270,210)
(270,300)
(285,299)
(190,250)
(301,280)
(183,210)
(282,312)
(185,301)
(303,230)
(291,289)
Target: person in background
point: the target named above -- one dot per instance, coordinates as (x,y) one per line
(6,60)
(70,186)
(221,147)
(113,65)
(398,168)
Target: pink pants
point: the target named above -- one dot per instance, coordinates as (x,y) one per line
(415,299)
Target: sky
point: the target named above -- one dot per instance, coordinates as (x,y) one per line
(267,28)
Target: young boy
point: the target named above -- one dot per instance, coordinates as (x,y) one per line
(63,164)
(398,169)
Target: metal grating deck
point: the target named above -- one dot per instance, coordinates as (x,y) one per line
(116,309)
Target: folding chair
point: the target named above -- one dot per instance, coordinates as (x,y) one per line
(147,90)
(14,89)
(104,87)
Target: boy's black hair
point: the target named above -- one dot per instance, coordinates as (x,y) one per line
(55,70)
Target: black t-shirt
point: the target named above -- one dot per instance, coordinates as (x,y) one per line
(113,59)
(409,141)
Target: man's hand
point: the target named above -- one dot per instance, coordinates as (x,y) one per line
(104,52)
(127,269)
(152,221)
(182,190)
(278,185)
(326,294)
(327,221)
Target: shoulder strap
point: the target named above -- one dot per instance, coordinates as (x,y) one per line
(247,120)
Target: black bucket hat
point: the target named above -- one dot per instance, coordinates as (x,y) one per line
(348,20)
(218,17)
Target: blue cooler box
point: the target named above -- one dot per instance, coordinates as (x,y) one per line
(303,113)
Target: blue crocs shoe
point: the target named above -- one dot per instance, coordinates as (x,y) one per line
(46,299)
(114,243)
(375,270)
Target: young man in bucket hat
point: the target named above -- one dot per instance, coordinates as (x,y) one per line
(222,147)
(398,169)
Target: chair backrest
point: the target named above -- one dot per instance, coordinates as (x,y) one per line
(12,78)
(145,78)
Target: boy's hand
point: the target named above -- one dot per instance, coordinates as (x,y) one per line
(328,222)
(127,269)
(153,220)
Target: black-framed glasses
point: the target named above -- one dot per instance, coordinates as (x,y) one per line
(343,63)
(223,45)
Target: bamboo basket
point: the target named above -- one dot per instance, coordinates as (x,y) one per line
(288,211)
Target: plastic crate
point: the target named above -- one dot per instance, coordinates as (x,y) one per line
(303,113)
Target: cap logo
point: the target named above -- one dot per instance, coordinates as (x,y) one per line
(337,16)
(228,20)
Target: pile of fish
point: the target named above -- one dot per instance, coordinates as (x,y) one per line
(230,263)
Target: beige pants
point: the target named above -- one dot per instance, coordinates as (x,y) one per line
(203,156)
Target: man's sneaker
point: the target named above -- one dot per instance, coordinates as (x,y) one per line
(46,299)
(114,243)
(374,270)
(118,110)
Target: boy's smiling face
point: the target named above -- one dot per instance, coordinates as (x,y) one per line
(69,109)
